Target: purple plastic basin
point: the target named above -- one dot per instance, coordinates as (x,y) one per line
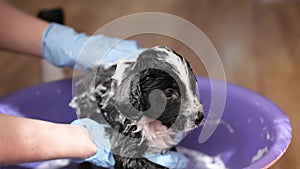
(253,133)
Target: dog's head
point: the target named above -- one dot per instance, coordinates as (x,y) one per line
(173,108)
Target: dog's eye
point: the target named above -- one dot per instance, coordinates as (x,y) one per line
(171,93)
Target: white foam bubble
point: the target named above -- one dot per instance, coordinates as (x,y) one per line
(201,160)
(259,154)
(54,164)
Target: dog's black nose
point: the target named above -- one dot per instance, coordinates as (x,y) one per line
(199,118)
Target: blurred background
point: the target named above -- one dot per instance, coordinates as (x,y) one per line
(258,42)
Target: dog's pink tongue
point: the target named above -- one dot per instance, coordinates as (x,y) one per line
(154,123)
(159,137)
(155,129)
(151,127)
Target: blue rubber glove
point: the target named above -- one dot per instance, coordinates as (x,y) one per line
(62,46)
(104,157)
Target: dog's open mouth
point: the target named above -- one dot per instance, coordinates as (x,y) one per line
(159,137)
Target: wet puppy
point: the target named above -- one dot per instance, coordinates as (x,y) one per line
(147,104)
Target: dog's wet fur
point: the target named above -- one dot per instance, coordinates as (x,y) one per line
(99,93)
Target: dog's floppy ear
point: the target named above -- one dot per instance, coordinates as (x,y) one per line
(128,98)
(135,94)
(122,101)
(130,101)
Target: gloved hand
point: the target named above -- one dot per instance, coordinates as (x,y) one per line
(104,157)
(62,46)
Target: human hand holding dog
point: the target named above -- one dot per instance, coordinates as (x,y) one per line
(104,157)
(61,45)
(96,131)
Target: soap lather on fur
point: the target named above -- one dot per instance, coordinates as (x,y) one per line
(140,120)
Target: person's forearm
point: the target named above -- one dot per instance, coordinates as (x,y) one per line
(20,32)
(27,140)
